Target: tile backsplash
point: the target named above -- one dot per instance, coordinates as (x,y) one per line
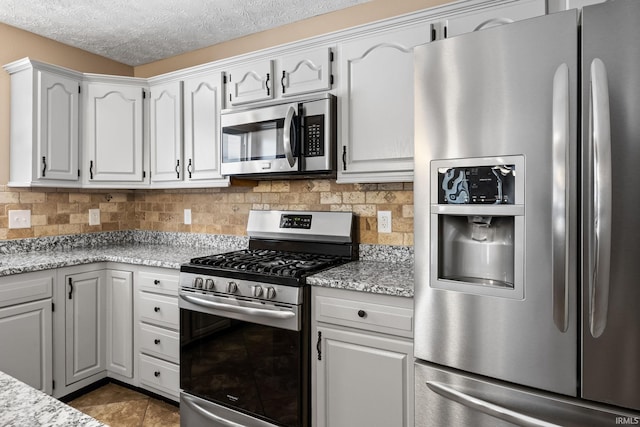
(213,210)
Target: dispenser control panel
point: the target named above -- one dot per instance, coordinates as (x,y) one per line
(493,185)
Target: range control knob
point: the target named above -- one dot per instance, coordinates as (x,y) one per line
(232,287)
(197,282)
(257,291)
(271,292)
(208,284)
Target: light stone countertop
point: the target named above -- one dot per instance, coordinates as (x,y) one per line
(22,405)
(152,255)
(378,277)
(382,276)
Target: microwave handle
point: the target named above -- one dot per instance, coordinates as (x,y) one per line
(286,140)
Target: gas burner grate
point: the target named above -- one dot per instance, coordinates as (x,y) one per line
(269,262)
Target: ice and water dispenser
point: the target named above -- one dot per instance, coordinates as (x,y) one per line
(477,223)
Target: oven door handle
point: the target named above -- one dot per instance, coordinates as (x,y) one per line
(207,414)
(273,314)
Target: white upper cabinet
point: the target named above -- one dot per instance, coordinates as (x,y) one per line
(298,73)
(491,17)
(58,122)
(165,130)
(305,72)
(202,105)
(250,82)
(114,144)
(45,125)
(184,132)
(376,105)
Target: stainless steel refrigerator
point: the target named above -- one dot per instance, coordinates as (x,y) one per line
(527,222)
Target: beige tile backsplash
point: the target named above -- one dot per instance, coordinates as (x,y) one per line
(213,210)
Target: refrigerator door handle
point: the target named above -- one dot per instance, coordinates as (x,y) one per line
(497,411)
(560,194)
(600,133)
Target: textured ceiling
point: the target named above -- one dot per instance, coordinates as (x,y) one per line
(137,32)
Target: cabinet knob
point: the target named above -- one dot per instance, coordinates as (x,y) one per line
(362,313)
(156,341)
(156,309)
(156,374)
(156,282)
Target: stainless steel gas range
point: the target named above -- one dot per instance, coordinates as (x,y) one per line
(245,320)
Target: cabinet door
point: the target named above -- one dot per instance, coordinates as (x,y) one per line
(376,96)
(120,322)
(363,380)
(85,324)
(58,125)
(250,83)
(305,72)
(494,16)
(202,105)
(114,133)
(26,349)
(165,125)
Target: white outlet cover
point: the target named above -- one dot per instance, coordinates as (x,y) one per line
(20,219)
(94,216)
(384,221)
(187,216)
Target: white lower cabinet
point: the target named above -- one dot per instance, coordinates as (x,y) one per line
(120,322)
(362,369)
(157,330)
(85,323)
(26,328)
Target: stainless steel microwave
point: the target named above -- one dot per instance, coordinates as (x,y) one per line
(294,140)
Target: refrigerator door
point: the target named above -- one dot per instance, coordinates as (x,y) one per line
(446,397)
(611,200)
(510,93)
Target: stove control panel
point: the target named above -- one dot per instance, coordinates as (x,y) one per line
(231,288)
(295,221)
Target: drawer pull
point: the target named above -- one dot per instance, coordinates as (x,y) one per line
(156,309)
(362,313)
(156,341)
(156,374)
(156,282)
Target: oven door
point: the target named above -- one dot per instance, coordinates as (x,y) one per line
(241,363)
(262,140)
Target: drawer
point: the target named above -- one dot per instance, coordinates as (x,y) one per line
(159,310)
(160,375)
(365,315)
(25,287)
(160,342)
(159,282)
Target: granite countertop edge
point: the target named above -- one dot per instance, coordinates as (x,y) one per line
(372,276)
(23,405)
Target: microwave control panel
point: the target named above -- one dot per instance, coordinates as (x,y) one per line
(313,136)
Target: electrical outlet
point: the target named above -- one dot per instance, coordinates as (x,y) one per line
(187,216)
(94,216)
(20,219)
(384,221)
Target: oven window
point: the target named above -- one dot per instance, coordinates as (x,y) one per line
(255,141)
(248,367)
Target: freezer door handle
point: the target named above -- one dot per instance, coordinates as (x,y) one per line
(497,411)
(600,133)
(560,193)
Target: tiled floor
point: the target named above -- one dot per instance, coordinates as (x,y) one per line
(119,406)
